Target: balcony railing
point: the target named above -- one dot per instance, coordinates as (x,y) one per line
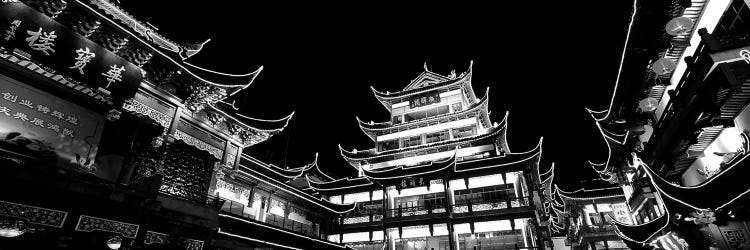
(238,209)
(470,206)
(361,217)
(415,211)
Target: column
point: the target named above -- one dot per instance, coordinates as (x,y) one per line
(286,214)
(268,206)
(250,200)
(384,209)
(390,235)
(450,199)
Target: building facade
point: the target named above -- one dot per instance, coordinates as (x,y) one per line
(676,132)
(109,139)
(439,175)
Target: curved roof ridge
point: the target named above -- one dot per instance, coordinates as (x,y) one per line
(406,171)
(383,97)
(610,142)
(495,129)
(369,127)
(221,80)
(700,196)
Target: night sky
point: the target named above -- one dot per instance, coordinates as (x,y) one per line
(544,62)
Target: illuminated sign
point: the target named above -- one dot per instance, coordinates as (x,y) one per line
(54,45)
(410,182)
(424,100)
(42,125)
(621,213)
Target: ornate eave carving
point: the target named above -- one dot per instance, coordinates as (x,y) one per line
(192,141)
(135,106)
(34,215)
(89,224)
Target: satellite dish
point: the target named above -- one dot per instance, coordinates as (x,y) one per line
(648,104)
(663,66)
(679,26)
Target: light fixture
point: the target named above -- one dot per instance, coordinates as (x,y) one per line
(11,228)
(114,242)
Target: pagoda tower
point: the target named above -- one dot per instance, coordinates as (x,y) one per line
(439,176)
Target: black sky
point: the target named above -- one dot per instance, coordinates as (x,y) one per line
(544,62)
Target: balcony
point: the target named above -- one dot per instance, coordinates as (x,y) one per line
(273,220)
(416,213)
(503,206)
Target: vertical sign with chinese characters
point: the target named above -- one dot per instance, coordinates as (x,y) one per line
(424,100)
(52,44)
(621,213)
(38,123)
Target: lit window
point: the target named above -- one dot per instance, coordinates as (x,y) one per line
(457,107)
(412,141)
(398,119)
(464,131)
(436,137)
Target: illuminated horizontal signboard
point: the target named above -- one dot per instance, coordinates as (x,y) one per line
(424,100)
(50,43)
(39,124)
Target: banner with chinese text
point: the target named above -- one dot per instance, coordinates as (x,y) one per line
(424,100)
(54,45)
(621,213)
(39,124)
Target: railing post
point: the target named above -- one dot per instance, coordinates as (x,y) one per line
(468,205)
(370,220)
(508,203)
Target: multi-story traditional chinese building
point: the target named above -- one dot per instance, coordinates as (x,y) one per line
(439,176)
(582,219)
(108,138)
(677,131)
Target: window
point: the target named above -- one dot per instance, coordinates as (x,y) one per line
(413,116)
(437,111)
(412,141)
(388,145)
(464,131)
(398,119)
(436,137)
(457,107)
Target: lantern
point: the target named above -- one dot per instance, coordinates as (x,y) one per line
(114,242)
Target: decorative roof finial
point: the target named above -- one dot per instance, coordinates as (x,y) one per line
(425,66)
(452,75)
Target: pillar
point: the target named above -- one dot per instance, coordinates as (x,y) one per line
(268,206)
(449,197)
(391,239)
(286,214)
(384,209)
